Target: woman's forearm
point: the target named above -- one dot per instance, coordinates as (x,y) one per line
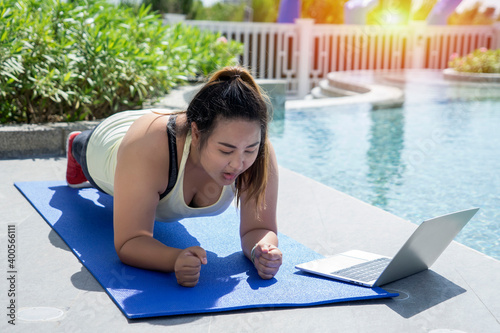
(263,236)
(148,253)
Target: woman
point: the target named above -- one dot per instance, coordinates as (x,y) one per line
(224,152)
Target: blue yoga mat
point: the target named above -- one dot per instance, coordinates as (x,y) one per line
(83,219)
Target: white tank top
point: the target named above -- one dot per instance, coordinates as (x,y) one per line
(101,160)
(173,207)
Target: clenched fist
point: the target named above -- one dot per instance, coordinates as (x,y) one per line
(267,260)
(188,265)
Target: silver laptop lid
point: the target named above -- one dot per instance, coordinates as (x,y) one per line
(425,245)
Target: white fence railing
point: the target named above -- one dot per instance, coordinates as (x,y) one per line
(304,52)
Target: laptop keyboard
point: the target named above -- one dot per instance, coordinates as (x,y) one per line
(366,271)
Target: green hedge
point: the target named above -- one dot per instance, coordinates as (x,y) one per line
(88,59)
(481,60)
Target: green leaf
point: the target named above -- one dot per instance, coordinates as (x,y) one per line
(95,56)
(12,77)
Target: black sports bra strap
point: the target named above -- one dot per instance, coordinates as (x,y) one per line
(172,145)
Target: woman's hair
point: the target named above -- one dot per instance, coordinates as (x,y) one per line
(232,93)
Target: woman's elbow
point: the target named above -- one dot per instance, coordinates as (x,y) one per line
(120,251)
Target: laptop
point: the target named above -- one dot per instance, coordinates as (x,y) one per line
(419,252)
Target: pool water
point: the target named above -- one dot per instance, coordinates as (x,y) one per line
(437,154)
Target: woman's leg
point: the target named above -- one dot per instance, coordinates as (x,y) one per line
(74,174)
(77,172)
(79,149)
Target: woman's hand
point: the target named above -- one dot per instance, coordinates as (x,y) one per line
(188,266)
(267,259)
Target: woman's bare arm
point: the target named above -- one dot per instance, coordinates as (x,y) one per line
(141,176)
(260,228)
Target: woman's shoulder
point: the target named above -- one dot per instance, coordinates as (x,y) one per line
(144,151)
(154,121)
(148,133)
(147,126)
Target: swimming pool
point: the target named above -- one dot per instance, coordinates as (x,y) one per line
(439,153)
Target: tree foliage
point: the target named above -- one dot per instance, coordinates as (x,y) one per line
(88,59)
(324,11)
(481,60)
(474,16)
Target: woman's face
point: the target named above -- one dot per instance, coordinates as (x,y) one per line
(231,149)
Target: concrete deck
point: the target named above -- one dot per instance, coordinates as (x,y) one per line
(460,293)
